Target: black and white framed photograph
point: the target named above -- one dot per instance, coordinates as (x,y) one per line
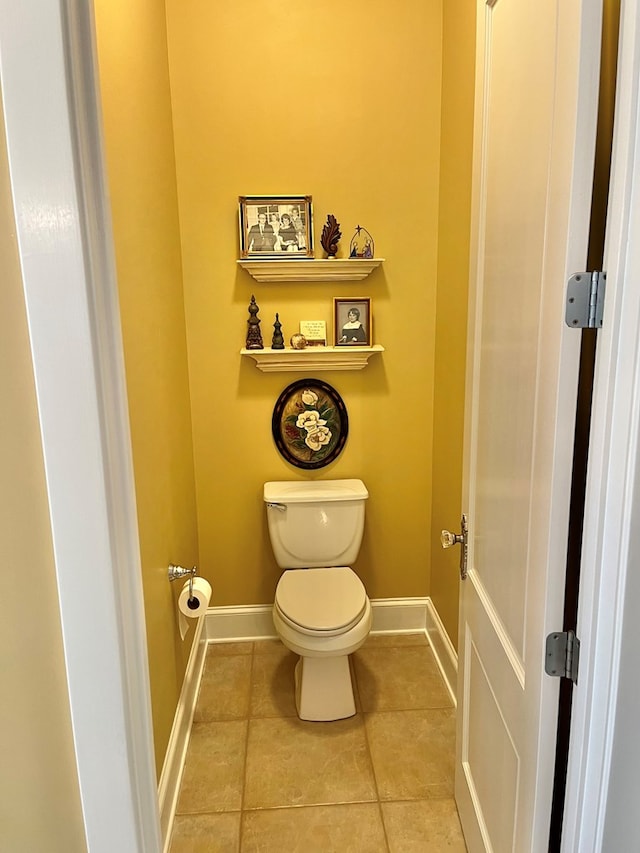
(352,322)
(276,226)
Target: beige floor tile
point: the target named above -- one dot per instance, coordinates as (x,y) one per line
(412,753)
(398,678)
(424,825)
(213,773)
(206,833)
(266,647)
(291,762)
(224,689)
(272,684)
(353,828)
(232,648)
(377,640)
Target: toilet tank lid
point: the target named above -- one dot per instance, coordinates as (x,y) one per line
(288,491)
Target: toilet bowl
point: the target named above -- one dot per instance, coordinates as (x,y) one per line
(323,628)
(322,612)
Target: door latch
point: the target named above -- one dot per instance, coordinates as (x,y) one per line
(448,539)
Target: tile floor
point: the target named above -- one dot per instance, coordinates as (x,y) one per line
(257,778)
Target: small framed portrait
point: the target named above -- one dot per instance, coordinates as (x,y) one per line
(276,226)
(352,322)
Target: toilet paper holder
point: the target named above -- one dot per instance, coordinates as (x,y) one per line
(177,572)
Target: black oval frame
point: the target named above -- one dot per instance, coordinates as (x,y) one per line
(283,429)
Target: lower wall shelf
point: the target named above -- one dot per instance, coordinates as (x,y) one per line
(311,359)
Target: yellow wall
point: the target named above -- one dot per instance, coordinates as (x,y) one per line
(40,805)
(132,55)
(451,309)
(341,101)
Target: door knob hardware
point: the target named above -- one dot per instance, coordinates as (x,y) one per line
(449,539)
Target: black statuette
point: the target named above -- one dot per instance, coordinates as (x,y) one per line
(277,342)
(254,336)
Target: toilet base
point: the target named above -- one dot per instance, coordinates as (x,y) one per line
(324,690)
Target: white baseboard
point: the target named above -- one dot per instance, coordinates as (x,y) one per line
(398,615)
(443,649)
(171,776)
(254,622)
(247,622)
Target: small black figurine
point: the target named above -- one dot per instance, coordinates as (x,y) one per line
(277,342)
(331,234)
(254,337)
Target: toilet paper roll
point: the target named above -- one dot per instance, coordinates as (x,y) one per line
(194,606)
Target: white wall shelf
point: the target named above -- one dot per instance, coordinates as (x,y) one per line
(309,269)
(311,359)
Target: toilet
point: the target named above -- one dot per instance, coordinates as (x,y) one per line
(321,610)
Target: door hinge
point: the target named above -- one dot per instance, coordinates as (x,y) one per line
(585,300)
(562,655)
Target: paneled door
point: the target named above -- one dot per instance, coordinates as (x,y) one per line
(535,121)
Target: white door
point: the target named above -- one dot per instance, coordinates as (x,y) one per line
(536,100)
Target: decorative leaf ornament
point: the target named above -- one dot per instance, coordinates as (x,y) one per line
(331,235)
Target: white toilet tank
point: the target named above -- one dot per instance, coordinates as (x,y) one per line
(315,524)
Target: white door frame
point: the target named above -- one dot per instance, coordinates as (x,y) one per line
(612,475)
(56,166)
(63,230)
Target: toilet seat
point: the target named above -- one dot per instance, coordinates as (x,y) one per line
(321,601)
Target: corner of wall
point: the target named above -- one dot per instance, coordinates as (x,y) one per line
(451,300)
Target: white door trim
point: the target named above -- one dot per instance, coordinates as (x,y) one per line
(78,363)
(63,229)
(611,473)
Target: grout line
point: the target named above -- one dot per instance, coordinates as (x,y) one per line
(369,753)
(289,806)
(375,782)
(246,746)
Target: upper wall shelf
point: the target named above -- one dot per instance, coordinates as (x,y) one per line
(310,269)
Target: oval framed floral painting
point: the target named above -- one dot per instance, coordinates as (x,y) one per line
(310,423)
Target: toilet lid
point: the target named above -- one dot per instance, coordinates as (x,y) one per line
(329,599)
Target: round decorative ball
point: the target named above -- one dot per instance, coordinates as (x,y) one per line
(298,341)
